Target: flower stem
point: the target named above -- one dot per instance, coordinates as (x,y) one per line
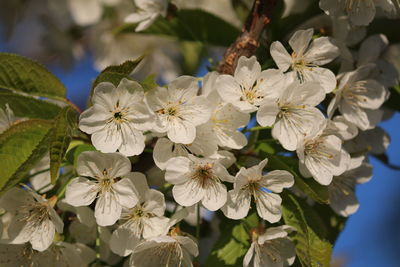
(198,223)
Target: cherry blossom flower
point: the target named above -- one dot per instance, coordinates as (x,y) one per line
(293,114)
(146,13)
(359,98)
(321,156)
(109,183)
(342,128)
(205,144)
(371,51)
(60,254)
(178,109)
(34,219)
(271,248)
(307,57)
(198,179)
(145,220)
(225,118)
(252,183)
(117,118)
(167,250)
(374,141)
(248,87)
(360,12)
(342,197)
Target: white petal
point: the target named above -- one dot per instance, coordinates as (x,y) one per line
(107,210)
(247,71)
(132,140)
(126,193)
(94,119)
(215,196)
(80,192)
(362,12)
(228,88)
(92,164)
(108,139)
(155,226)
(324,76)
(322,51)
(123,242)
(43,236)
(281,57)
(300,41)
(181,131)
(277,180)
(140,184)
(269,206)
(237,205)
(266,114)
(163,151)
(177,170)
(188,193)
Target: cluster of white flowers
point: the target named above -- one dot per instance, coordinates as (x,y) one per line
(192,127)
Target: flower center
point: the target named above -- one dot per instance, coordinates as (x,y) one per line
(315,148)
(34,214)
(204,175)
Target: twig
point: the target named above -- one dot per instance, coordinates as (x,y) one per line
(247,42)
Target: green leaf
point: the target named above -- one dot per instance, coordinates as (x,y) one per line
(24,75)
(28,107)
(309,186)
(65,123)
(149,83)
(21,148)
(312,247)
(114,74)
(233,242)
(191,25)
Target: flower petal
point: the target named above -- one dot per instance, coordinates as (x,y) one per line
(125,193)
(81,192)
(107,210)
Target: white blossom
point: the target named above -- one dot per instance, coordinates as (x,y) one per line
(145,220)
(341,127)
(34,219)
(146,13)
(374,141)
(252,183)
(307,57)
(198,179)
(293,114)
(321,156)
(342,196)
(178,109)
(117,118)
(273,248)
(167,250)
(205,144)
(359,98)
(60,254)
(248,87)
(225,118)
(360,12)
(371,51)
(109,183)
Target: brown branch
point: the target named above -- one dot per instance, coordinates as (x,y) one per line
(247,42)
